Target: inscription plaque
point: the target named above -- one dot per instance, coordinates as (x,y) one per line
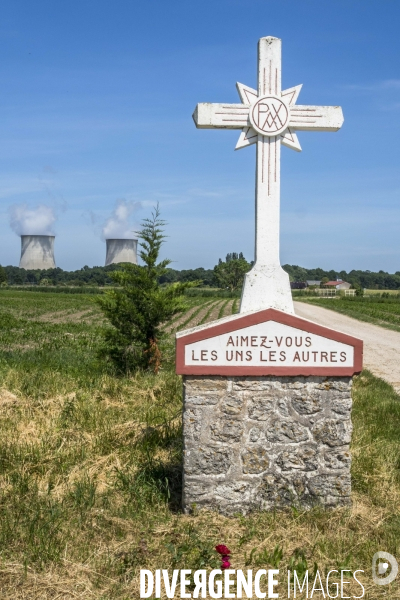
(268,342)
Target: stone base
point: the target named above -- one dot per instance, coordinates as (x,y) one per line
(254,443)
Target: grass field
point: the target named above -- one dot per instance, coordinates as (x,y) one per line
(90,469)
(371,292)
(372,308)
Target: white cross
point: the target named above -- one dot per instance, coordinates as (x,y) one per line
(268,116)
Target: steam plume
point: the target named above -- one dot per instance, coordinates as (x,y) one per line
(39,220)
(119,223)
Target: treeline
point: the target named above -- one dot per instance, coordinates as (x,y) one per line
(87,276)
(99,276)
(93,276)
(205,275)
(365,279)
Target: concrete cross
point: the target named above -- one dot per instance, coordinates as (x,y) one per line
(268,116)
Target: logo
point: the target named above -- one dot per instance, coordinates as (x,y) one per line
(269,115)
(381,574)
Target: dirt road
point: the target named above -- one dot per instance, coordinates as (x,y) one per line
(381,346)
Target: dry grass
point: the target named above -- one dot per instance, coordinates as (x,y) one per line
(68,316)
(90,477)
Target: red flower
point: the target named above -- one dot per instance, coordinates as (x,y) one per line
(224,550)
(225,563)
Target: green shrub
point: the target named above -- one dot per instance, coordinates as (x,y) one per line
(139,308)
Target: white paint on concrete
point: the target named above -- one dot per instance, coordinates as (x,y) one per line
(269,117)
(269,343)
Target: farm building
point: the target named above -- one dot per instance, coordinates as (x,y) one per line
(339,284)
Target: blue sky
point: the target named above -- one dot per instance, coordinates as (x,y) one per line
(96,99)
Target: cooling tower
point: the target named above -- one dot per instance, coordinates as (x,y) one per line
(119,251)
(37,252)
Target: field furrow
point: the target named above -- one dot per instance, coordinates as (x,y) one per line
(212,313)
(183,320)
(200,317)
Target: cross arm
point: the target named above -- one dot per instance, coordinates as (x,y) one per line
(269,66)
(316,118)
(221,116)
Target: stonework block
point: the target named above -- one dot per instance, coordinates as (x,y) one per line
(254,443)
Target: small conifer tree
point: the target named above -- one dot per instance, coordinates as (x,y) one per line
(3,275)
(139,307)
